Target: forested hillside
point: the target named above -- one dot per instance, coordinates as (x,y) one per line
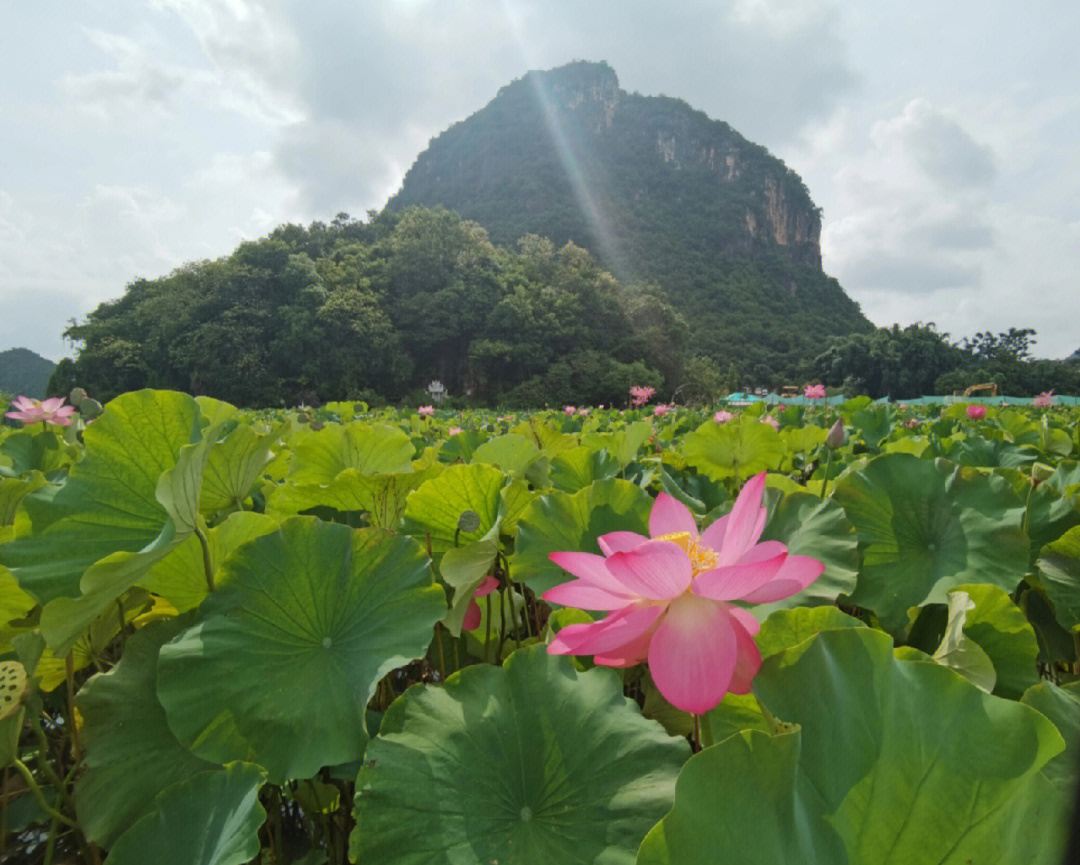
(661,194)
(376,309)
(24,372)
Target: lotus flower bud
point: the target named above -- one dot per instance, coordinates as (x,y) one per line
(835,438)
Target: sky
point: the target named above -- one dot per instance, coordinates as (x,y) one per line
(941,140)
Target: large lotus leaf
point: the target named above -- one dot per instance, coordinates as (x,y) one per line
(986,452)
(320,455)
(180,577)
(286,654)
(821,530)
(37,450)
(381,496)
(63,619)
(14,602)
(436,506)
(1059,574)
(123,727)
(1066,477)
(1043,816)
(516,498)
(925,527)
(511,453)
(109,501)
(527,764)
(576,468)
(12,492)
(786,628)
(623,444)
(892,761)
(549,439)
(737,450)
(1050,513)
(210,819)
(563,521)
(1002,630)
(234,465)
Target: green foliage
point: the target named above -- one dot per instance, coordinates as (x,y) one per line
(24,372)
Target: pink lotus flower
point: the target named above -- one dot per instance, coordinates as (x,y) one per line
(672,598)
(912,423)
(976,412)
(582,411)
(771,421)
(641,394)
(425,410)
(1044,400)
(722,416)
(453,431)
(472,614)
(661,410)
(814,391)
(569,409)
(37,411)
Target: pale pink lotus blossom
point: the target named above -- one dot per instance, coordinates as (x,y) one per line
(583,411)
(912,423)
(814,391)
(425,410)
(976,412)
(472,613)
(672,598)
(51,411)
(601,406)
(771,421)
(722,416)
(453,431)
(903,406)
(1044,400)
(641,394)
(661,410)
(569,409)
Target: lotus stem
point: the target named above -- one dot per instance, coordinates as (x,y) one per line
(697,733)
(208,566)
(825,483)
(69,669)
(487,635)
(32,784)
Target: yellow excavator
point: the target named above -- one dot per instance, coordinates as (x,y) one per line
(985,389)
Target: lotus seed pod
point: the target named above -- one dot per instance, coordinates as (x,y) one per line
(469,521)
(90,408)
(317,424)
(76,396)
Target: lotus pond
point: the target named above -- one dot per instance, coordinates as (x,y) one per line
(333,635)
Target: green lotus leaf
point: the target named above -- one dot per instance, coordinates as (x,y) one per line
(12,492)
(215,411)
(234,465)
(123,727)
(960,652)
(210,819)
(891,761)
(109,502)
(515,499)
(623,444)
(576,468)
(320,455)
(564,521)
(733,450)
(14,602)
(180,577)
(38,451)
(1055,642)
(286,654)
(494,767)
(64,620)
(463,569)
(925,527)
(511,453)
(820,529)
(985,452)
(1059,574)
(1002,630)
(1050,513)
(1066,477)
(786,628)
(381,496)
(873,425)
(435,507)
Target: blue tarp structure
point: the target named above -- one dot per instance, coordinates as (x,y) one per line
(741,398)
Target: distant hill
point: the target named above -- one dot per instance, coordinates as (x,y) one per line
(24,372)
(660,193)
